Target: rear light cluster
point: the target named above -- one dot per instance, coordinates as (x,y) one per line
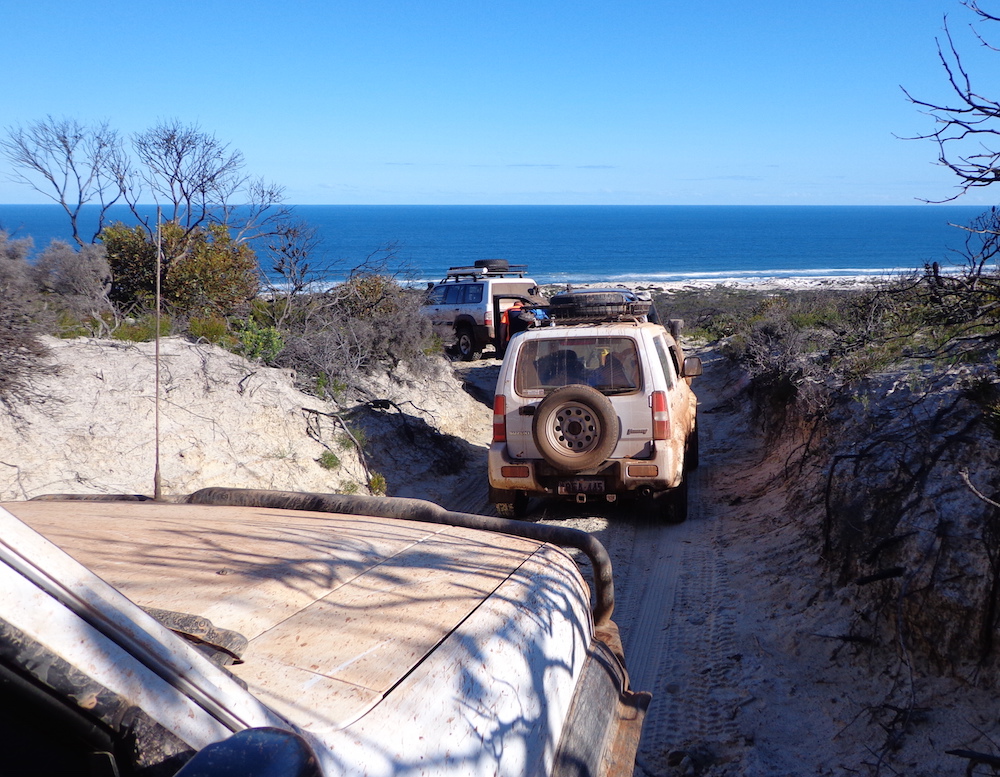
(661,418)
(499,418)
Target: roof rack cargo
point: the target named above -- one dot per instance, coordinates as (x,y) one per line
(598,305)
(488,268)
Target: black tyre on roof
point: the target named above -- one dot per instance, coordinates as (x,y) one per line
(501,265)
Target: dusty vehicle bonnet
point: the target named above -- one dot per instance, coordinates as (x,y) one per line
(146,636)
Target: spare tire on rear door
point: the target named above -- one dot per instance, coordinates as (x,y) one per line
(575,428)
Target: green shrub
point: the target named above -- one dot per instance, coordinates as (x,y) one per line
(203,271)
(132,258)
(328,460)
(142,329)
(378,485)
(260,343)
(209,271)
(211,329)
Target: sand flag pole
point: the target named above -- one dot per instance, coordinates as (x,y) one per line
(156,340)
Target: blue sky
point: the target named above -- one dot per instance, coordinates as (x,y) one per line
(516,101)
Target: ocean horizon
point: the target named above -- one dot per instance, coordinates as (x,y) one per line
(601,243)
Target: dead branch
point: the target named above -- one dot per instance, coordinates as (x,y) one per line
(978,494)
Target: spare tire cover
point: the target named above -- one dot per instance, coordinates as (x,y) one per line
(575,428)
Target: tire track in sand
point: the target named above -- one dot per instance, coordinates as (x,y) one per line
(681,642)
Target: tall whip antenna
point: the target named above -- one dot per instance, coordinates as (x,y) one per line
(156,361)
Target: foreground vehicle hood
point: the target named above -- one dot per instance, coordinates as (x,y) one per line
(397,647)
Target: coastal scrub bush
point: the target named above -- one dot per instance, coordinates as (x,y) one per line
(76,281)
(710,313)
(202,270)
(209,272)
(368,323)
(132,258)
(211,328)
(328,460)
(260,343)
(142,329)
(22,353)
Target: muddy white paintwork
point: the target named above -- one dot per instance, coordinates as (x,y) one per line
(634,409)
(44,592)
(398,647)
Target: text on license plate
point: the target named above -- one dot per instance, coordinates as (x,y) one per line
(582,486)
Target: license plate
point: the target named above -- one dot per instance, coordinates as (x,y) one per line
(582,486)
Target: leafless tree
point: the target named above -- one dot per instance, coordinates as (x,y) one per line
(197,179)
(194,176)
(289,251)
(67,162)
(968,129)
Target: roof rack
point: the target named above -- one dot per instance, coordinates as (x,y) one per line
(512,271)
(583,312)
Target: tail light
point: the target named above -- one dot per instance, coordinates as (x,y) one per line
(499,418)
(661,418)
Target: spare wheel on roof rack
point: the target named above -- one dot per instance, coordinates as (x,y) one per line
(493,264)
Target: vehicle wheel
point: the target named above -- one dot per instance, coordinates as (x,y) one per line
(692,457)
(575,428)
(678,503)
(670,506)
(500,265)
(466,344)
(516,509)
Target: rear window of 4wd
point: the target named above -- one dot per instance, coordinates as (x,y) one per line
(608,364)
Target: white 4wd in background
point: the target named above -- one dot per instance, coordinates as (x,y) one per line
(595,410)
(466,307)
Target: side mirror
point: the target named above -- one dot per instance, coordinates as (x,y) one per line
(255,752)
(692,367)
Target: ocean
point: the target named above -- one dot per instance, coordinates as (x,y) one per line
(605,244)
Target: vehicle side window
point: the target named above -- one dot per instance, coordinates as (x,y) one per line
(668,361)
(453,295)
(436,295)
(474,293)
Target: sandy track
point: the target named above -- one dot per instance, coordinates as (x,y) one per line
(674,605)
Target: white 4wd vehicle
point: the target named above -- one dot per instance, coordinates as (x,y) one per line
(595,410)
(467,306)
(272,634)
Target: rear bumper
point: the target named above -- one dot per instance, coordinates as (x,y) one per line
(618,476)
